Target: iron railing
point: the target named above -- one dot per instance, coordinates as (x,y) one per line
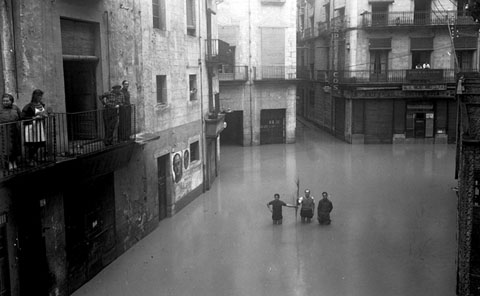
(387,76)
(232,73)
(34,143)
(414,18)
(274,73)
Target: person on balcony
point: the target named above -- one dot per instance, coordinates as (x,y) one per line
(9,132)
(34,114)
(124,126)
(111,102)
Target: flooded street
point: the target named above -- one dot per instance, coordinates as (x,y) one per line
(393,228)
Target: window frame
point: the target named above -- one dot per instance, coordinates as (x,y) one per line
(192,87)
(194,151)
(161,89)
(190,17)
(158,13)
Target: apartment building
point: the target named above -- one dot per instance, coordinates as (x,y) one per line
(258,75)
(384,71)
(80,203)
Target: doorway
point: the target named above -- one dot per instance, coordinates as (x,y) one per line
(89,229)
(233,133)
(272,126)
(80,97)
(163,165)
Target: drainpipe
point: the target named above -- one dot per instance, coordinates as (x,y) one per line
(7,45)
(202,116)
(250,66)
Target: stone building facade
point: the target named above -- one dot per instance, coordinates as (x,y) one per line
(258,78)
(383,71)
(80,204)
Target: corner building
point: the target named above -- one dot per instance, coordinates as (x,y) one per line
(78,204)
(383,71)
(258,76)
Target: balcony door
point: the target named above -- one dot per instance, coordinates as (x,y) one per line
(273,53)
(378,65)
(379,14)
(421,13)
(80,50)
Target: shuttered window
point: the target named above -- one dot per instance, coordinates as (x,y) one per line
(273,46)
(158,12)
(465,43)
(78,38)
(423,43)
(380,44)
(190,8)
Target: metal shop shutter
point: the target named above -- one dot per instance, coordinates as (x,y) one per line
(272,126)
(340,118)
(378,122)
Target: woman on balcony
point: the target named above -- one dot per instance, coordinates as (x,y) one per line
(34,114)
(9,132)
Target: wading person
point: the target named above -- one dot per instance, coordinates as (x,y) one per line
(111,101)
(307,203)
(276,209)
(324,208)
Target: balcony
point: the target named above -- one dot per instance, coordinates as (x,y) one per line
(214,125)
(409,76)
(323,28)
(228,73)
(339,23)
(218,51)
(29,145)
(274,73)
(414,18)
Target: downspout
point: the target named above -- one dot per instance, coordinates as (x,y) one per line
(251,72)
(107,21)
(202,117)
(7,46)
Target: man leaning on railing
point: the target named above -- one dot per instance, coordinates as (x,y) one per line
(111,102)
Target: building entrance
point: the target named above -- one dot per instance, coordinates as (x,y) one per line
(163,165)
(419,121)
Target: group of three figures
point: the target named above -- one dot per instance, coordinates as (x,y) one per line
(307,208)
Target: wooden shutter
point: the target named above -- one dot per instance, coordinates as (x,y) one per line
(273,46)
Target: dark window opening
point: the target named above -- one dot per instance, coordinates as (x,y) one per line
(161,89)
(194,152)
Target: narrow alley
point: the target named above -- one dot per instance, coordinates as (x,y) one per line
(393,228)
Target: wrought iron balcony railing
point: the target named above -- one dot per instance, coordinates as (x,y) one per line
(414,18)
(274,73)
(425,76)
(232,73)
(339,23)
(34,143)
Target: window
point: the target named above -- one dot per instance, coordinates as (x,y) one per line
(379,14)
(161,89)
(420,58)
(158,12)
(378,65)
(465,59)
(194,152)
(192,83)
(190,7)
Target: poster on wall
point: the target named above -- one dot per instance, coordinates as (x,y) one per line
(177,166)
(186,158)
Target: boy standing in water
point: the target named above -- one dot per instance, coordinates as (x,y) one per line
(276,209)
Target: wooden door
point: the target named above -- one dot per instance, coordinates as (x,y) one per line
(163,164)
(272,126)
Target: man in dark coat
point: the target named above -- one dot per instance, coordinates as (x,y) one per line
(125,124)
(277,205)
(324,208)
(111,101)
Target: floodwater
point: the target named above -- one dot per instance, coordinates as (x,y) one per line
(393,228)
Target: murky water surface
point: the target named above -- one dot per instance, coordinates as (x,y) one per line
(393,229)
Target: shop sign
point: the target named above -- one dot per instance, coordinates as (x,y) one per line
(423,87)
